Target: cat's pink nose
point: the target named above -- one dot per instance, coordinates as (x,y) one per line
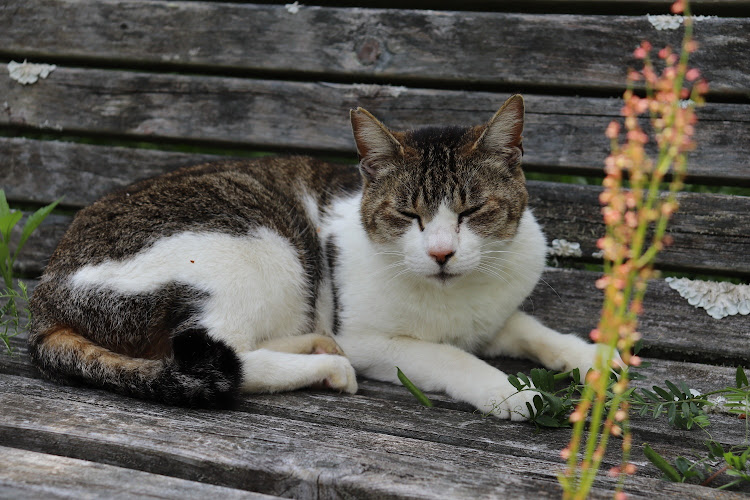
(441,255)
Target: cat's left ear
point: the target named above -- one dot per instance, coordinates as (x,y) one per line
(504,129)
(376,144)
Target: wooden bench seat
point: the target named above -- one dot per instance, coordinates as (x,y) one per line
(143,87)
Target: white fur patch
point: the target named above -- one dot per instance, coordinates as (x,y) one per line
(256,284)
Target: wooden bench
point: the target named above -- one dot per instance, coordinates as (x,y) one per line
(144,86)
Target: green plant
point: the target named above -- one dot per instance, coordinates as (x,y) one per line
(10,318)
(683,407)
(636,215)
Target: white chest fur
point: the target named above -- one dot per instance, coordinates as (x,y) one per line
(377,296)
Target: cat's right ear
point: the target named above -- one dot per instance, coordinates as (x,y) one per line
(376,145)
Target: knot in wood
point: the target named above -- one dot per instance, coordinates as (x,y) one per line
(369,52)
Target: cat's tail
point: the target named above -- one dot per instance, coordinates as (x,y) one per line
(201,372)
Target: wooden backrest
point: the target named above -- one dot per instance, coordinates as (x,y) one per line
(142,87)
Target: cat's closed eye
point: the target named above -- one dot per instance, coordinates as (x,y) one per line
(412,215)
(468,212)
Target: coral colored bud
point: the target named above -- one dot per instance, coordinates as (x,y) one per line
(691,46)
(575,417)
(595,335)
(621,415)
(646,45)
(620,495)
(602,282)
(613,472)
(635,361)
(678,7)
(565,453)
(613,129)
(692,74)
(630,469)
(664,53)
(616,430)
(639,53)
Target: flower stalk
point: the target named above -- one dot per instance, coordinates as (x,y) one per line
(636,213)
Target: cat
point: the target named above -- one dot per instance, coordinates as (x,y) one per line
(280,273)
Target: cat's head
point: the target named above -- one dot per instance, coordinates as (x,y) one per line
(437,197)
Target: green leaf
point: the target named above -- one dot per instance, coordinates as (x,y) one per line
(682,465)
(675,391)
(7,222)
(515,382)
(548,421)
(536,378)
(4,208)
(650,395)
(715,448)
(33,222)
(538,403)
(661,464)
(524,379)
(664,394)
(413,389)
(741,377)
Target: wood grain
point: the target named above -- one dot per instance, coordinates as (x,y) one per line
(514,50)
(279,455)
(670,326)
(28,474)
(562,134)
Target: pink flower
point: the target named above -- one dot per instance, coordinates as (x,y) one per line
(692,74)
(613,129)
(678,7)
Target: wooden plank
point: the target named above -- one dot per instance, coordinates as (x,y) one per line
(27,474)
(391,409)
(562,134)
(709,230)
(670,326)
(516,50)
(279,455)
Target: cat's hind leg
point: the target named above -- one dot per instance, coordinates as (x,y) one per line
(311,343)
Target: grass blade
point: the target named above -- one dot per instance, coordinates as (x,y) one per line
(413,389)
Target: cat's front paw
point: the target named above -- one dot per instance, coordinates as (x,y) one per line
(507,403)
(583,357)
(339,374)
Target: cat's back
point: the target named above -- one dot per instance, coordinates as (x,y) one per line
(231,197)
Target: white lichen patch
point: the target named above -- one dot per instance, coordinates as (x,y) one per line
(599,254)
(671,22)
(565,248)
(719,299)
(27,73)
(292,8)
(375,90)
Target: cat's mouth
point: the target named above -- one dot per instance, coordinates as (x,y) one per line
(444,277)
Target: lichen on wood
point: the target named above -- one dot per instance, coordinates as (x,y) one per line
(719,299)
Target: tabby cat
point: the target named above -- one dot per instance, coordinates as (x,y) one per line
(238,275)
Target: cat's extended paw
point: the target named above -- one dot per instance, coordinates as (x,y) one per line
(339,374)
(507,403)
(583,358)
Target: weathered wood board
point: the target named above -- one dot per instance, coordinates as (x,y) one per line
(28,474)
(382,419)
(561,135)
(512,50)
